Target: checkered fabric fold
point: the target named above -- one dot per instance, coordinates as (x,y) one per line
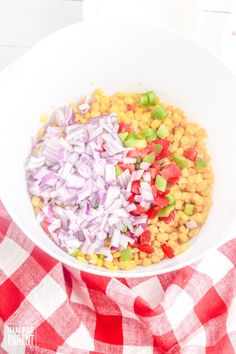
(189,311)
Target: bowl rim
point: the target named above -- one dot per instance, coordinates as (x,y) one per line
(142,271)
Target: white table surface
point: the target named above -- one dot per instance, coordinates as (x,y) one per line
(23,23)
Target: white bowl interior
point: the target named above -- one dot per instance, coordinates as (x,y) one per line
(125,57)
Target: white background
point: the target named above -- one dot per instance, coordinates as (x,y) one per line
(24,22)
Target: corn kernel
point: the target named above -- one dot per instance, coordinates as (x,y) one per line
(43,118)
(74,107)
(155,258)
(99,92)
(100,262)
(183,237)
(95,114)
(81,259)
(181,248)
(147,262)
(155,124)
(35,201)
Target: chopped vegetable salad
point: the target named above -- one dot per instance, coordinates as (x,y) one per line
(120,181)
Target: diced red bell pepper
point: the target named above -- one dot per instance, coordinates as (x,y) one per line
(171,171)
(146,248)
(156,166)
(135,187)
(127,166)
(138,153)
(44,224)
(162,194)
(161,202)
(135,244)
(130,107)
(169,218)
(152,172)
(190,154)
(139,210)
(151,213)
(145,237)
(131,198)
(154,191)
(165,146)
(123,127)
(167,250)
(173,180)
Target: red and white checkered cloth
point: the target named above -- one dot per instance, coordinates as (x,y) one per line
(189,311)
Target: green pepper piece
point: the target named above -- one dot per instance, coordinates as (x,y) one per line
(126,255)
(161,183)
(118,170)
(125,230)
(148,99)
(149,134)
(159,113)
(180,161)
(158,147)
(136,143)
(131,136)
(162,131)
(189,209)
(123,136)
(165,211)
(149,158)
(144,99)
(200,163)
(152,98)
(171,198)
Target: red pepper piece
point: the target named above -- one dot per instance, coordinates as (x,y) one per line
(138,153)
(145,237)
(169,218)
(135,187)
(123,127)
(190,154)
(146,248)
(171,171)
(173,180)
(167,250)
(139,210)
(130,107)
(154,191)
(131,198)
(165,146)
(151,213)
(127,166)
(161,202)
(44,224)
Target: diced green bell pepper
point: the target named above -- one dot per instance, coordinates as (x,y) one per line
(171,198)
(118,170)
(200,163)
(158,147)
(148,98)
(149,158)
(123,136)
(189,209)
(136,143)
(162,131)
(126,255)
(149,134)
(165,211)
(180,161)
(159,113)
(161,183)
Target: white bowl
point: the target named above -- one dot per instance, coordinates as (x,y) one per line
(75,60)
